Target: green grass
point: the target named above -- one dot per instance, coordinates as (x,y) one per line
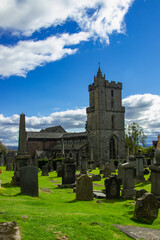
(56,213)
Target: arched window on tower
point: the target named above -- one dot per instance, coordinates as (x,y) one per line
(113,122)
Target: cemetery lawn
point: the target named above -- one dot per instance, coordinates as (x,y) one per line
(55,214)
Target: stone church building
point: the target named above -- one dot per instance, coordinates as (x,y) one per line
(104,138)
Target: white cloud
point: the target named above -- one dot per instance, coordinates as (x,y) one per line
(142,109)
(27,55)
(95,19)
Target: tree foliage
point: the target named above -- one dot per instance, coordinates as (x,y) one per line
(134,137)
(3,149)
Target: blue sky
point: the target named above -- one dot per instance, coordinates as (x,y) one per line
(49,54)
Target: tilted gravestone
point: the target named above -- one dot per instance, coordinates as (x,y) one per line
(29,181)
(84,188)
(112,187)
(146,207)
(45,170)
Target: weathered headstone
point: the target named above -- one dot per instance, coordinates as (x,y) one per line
(139,168)
(9,164)
(59,169)
(45,170)
(139,193)
(50,163)
(112,187)
(106,172)
(68,170)
(120,172)
(128,181)
(146,207)
(84,188)
(155,180)
(96,177)
(2,159)
(84,163)
(29,181)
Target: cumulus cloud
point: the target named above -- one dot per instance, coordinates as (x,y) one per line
(95,19)
(142,109)
(27,55)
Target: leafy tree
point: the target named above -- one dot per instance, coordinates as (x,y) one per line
(3,149)
(134,137)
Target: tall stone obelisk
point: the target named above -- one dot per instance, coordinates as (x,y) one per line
(22,157)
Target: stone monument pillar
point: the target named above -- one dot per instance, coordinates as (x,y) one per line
(128,191)
(68,171)
(22,157)
(155,172)
(139,168)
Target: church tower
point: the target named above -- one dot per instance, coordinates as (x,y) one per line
(105,120)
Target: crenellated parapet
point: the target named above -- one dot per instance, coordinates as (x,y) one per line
(113,84)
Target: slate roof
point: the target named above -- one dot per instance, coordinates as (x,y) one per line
(44,135)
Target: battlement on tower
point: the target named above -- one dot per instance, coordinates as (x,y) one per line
(112,84)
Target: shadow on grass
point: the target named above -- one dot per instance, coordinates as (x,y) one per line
(73,201)
(142,184)
(7,185)
(7,195)
(142,220)
(112,200)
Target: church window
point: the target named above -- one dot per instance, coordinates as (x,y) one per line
(112,93)
(113,121)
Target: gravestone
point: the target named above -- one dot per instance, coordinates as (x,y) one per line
(112,187)
(29,181)
(84,163)
(139,193)
(146,207)
(45,170)
(2,159)
(139,168)
(9,164)
(155,180)
(106,172)
(68,170)
(128,191)
(50,163)
(84,188)
(59,169)
(96,177)
(22,157)
(120,172)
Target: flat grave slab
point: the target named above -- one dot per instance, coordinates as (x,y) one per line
(139,232)
(99,194)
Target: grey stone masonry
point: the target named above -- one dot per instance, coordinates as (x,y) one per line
(128,191)
(29,181)
(84,188)
(105,120)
